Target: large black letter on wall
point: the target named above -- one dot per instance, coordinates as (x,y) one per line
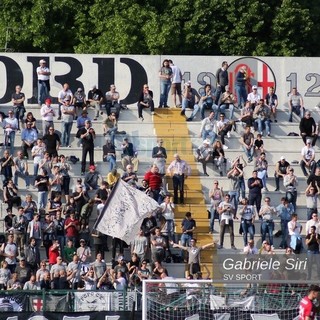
(14,77)
(76,70)
(105,73)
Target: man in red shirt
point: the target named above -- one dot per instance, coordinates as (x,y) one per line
(54,252)
(307,310)
(154,180)
(71,228)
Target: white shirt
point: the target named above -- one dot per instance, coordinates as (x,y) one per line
(311,223)
(227,215)
(49,116)
(253,98)
(12,122)
(43,76)
(294,230)
(208,125)
(64,94)
(168,213)
(176,74)
(307,152)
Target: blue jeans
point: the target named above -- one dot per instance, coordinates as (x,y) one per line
(213,215)
(185,241)
(263,176)
(111,160)
(43,92)
(292,198)
(210,106)
(267,227)
(263,123)
(247,227)
(112,134)
(35,169)
(242,186)
(234,196)
(249,152)
(24,175)
(10,137)
(42,199)
(19,114)
(284,233)
(298,111)
(209,133)
(65,133)
(229,106)
(241,93)
(164,92)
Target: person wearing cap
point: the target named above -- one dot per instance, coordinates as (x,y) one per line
(190,99)
(308,158)
(145,101)
(208,128)
(240,86)
(43,73)
(204,155)
(84,252)
(17,100)
(63,94)
(206,102)
(129,155)
(47,114)
(308,128)
(68,113)
(87,136)
(112,101)
(10,126)
(95,99)
(254,97)
(296,104)
(179,170)
(165,75)
(92,178)
(290,181)
(79,100)
(282,168)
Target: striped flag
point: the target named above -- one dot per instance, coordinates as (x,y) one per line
(124,212)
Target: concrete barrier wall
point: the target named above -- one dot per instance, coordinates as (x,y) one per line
(130,72)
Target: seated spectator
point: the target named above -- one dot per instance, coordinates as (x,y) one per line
(266,248)
(129,155)
(206,102)
(311,194)
(45,283)
(109,154)
(31,284)
(190,100)
(23,271)
(143,271)
(158,269)
(14,283)
(95,99)
(261,166)
(110,126)
(5,275)
(227,102)
(102,193)
(105,282)
(314,178)
(250,248)
(29,138)
(208,129)
(9,221)
(145,101)
(112,178)
(57,267)
(154,180)
(41,272)
(224,127)
(296,104)
(31,119)
(79,101)
(246,117)
(271,100)
(262,114)
(21,169)
(10,195)
(284,212)
(218,157)
(133,264)
(258,145)
(308,128)
(204,155)
(91,179)
(247,141)
(307,158)
(112,98)
(149,225)
(254,97)
(129,176)
(281,170)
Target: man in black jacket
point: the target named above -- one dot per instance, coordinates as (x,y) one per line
(308,128)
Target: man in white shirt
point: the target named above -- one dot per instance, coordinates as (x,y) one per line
(43,73)
(208,128)
(10,126)
(176,83)
(63,95)
(307,158)
(47,114)
(295,228)
(254,97)
(112,101)
(314,221)
(68,114)
(224,127)
(295,104)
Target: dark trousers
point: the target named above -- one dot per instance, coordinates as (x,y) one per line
(255,199)
(140,108)
(223,132)
(309,134)
(116,105)
(25,148)
(178,184)
(223,227)
(116,242)
(85,150)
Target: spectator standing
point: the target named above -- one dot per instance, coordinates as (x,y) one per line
(37,153)
(266,215)
(43,73)
(129,155)
(17,100)
(145,101)
(68,113)
(240,86)
(165,75)
(296,104)
(247,141)
(95,99)
(154,181)
(188,225)
(248,214)
(21,169)
(261,166)
(255,185)
(284,212)
(29,138)
(109,154)
(52,142)
(295,229)
(176,84)
(47,114)
(311,194)
(216,197)
(110,126)
(290,182)
(10,126)
(271,100)
(167,211)
(159,154)
(222,80)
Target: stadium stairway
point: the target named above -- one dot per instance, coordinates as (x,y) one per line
(169,123)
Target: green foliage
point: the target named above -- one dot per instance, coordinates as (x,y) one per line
(211,27)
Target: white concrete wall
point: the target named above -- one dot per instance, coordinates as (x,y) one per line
(129,72)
